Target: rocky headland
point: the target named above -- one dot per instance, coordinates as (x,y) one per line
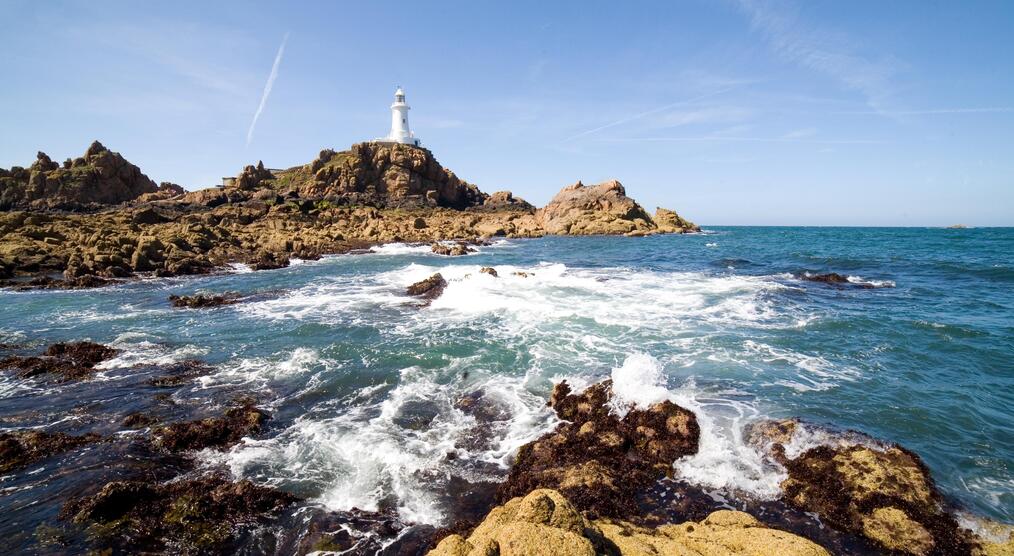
(98,218)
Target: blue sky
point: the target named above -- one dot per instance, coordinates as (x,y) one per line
(737,112)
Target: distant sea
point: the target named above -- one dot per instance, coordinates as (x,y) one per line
(364,385)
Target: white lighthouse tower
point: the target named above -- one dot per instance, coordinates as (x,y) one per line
(400,132)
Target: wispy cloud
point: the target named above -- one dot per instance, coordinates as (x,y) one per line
(939,111)
(741,139)
(267,89)
(824,51)
(628,119)
(800,133)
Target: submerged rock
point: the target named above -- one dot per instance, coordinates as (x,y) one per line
(834,278)
(19,449)
(598,460)
(428,289)
(213,432)
(882,492)
(68,361)
(180,372)
(184,516)
(202,301)
(546,522)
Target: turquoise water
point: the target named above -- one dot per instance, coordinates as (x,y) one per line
(363,383)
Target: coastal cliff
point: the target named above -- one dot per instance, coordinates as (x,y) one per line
(99,218)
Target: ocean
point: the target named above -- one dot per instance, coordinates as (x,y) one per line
(364,385)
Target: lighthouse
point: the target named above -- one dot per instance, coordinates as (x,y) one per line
(400,132)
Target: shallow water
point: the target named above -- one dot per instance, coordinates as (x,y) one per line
(364,385)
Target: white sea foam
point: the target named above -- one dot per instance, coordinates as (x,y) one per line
(137,348)
(639,382)
(259,372)
(875,283)
(370,453)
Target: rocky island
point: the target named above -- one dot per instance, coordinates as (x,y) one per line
(98,217)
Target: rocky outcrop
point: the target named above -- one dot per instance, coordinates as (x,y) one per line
(100,177)
(18,449)
(453,250)
(880,491)
(545,522)
(380,174)
(187,516)
(667,221)
(65,361)
(589,210)
(598,460)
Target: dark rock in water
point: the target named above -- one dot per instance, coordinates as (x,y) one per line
(180,373)
(213,432)
(193,516)
(86,281)
(19,449)
(202,301)
(833,278)
(455,250)
(882,492)
(597,460)
(488,270)
(69,361)
(138,421)
(429,289)
(266,260)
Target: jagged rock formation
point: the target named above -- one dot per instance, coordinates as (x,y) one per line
(100,177)
(372,173)
(545,522)
(589,210)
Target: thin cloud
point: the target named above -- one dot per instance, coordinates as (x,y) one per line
(937,111)
(827,52)
(648,113)
(267,89)
(714,139)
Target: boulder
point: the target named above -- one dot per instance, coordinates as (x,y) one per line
(546,522)
(667,221)
(428,289)
(203,301)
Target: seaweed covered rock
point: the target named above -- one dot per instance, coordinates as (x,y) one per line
(185,516)
(212,432)
(203,301)
(598,460)
(67,361)
(545,522)
(880,491)
(19,449)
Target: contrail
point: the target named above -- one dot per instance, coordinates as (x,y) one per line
(648,113)
(267,89)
